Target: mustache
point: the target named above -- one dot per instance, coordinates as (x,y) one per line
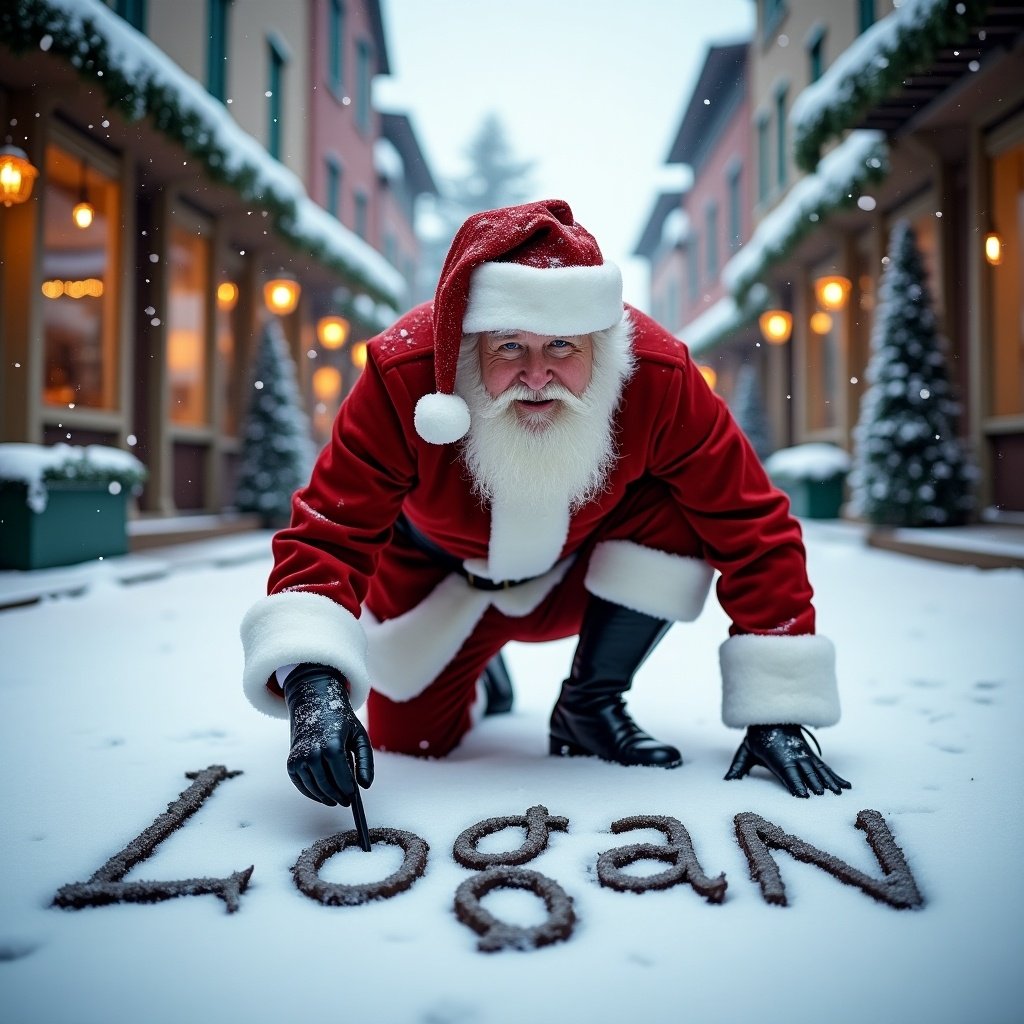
(521,393)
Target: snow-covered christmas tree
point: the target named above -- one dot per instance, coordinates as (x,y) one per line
(749,413)
(910,466)
(277,449)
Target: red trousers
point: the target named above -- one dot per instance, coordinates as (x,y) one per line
(432,723)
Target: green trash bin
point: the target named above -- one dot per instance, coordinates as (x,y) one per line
(813,476)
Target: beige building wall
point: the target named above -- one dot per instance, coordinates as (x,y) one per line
(180,29)
(780,64)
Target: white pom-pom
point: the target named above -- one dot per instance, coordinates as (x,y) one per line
(441,419)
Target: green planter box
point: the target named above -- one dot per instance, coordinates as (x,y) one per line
(80,522)
(812,499)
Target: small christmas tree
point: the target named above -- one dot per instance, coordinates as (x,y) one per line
(277,450)
(748,411)
(910,467)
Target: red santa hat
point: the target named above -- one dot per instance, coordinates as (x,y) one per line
(527,268)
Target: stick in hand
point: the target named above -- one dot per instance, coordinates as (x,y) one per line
(358,814)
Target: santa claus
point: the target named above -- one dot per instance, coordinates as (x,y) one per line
(526,459)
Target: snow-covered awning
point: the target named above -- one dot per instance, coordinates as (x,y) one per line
(722,319)
(859,160)
(139,79)
(876,62)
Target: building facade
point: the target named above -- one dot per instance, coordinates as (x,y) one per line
(861,116)
(201,135)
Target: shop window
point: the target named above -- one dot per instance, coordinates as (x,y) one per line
(1007,284)
(227,353)
(823,366)
(187,318)
(79,285)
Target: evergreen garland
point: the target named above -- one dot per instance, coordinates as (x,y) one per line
(910,467)
(912,49)
(277,453)
(29,25)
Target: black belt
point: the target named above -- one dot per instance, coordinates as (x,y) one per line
(444,558)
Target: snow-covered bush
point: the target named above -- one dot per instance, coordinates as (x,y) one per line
(35,465)
(277,449)
(815,461)
(910,466)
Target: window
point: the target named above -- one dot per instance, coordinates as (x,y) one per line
(187,307)
(711,240)
(1007,284)
(217,48)
(823,366)
(228,329)
(816,57)
(361,214)
(79,286)
(133,11)
(865,14)
(364,79)
(782,156)
(275,107)
(332,187)
(336,45)
(772,13)
(763,166)
(735,207)
(692,270)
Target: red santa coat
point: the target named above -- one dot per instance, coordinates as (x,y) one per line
(336,569)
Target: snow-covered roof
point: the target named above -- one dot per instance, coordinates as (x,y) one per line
(140,79)
(722,319)
(858,160)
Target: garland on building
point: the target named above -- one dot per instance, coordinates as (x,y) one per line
(139,80)
(842,177)
(910,466)
(901,45)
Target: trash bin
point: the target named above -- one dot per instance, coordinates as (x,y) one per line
(813,476)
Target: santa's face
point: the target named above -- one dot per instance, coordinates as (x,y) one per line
(531,371)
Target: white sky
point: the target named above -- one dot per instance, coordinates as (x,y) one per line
(592,90)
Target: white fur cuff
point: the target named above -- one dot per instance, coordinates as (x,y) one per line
(657,583)
(779,679)
(296,627)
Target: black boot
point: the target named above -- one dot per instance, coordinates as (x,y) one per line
(497,687)
(590,717)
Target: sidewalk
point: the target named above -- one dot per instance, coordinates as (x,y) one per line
(984,545)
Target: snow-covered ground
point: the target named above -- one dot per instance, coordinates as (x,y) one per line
(108,698)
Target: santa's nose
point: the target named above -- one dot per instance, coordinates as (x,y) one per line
(536,373)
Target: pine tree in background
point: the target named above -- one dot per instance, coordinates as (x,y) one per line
(493,178)
(277,449)
(749,412)
(910,467)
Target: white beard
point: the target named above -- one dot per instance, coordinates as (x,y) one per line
(535,472)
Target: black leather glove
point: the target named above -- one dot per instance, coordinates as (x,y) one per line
(325,733)
(783,750)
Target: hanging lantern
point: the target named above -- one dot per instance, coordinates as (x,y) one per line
(359,354)
(83,212)
(832,292)
(281,295)
(821,322)
(709,375)
(327,384)
(227,295)
(17,176)
(776,326)
(332,331)
(994,248)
